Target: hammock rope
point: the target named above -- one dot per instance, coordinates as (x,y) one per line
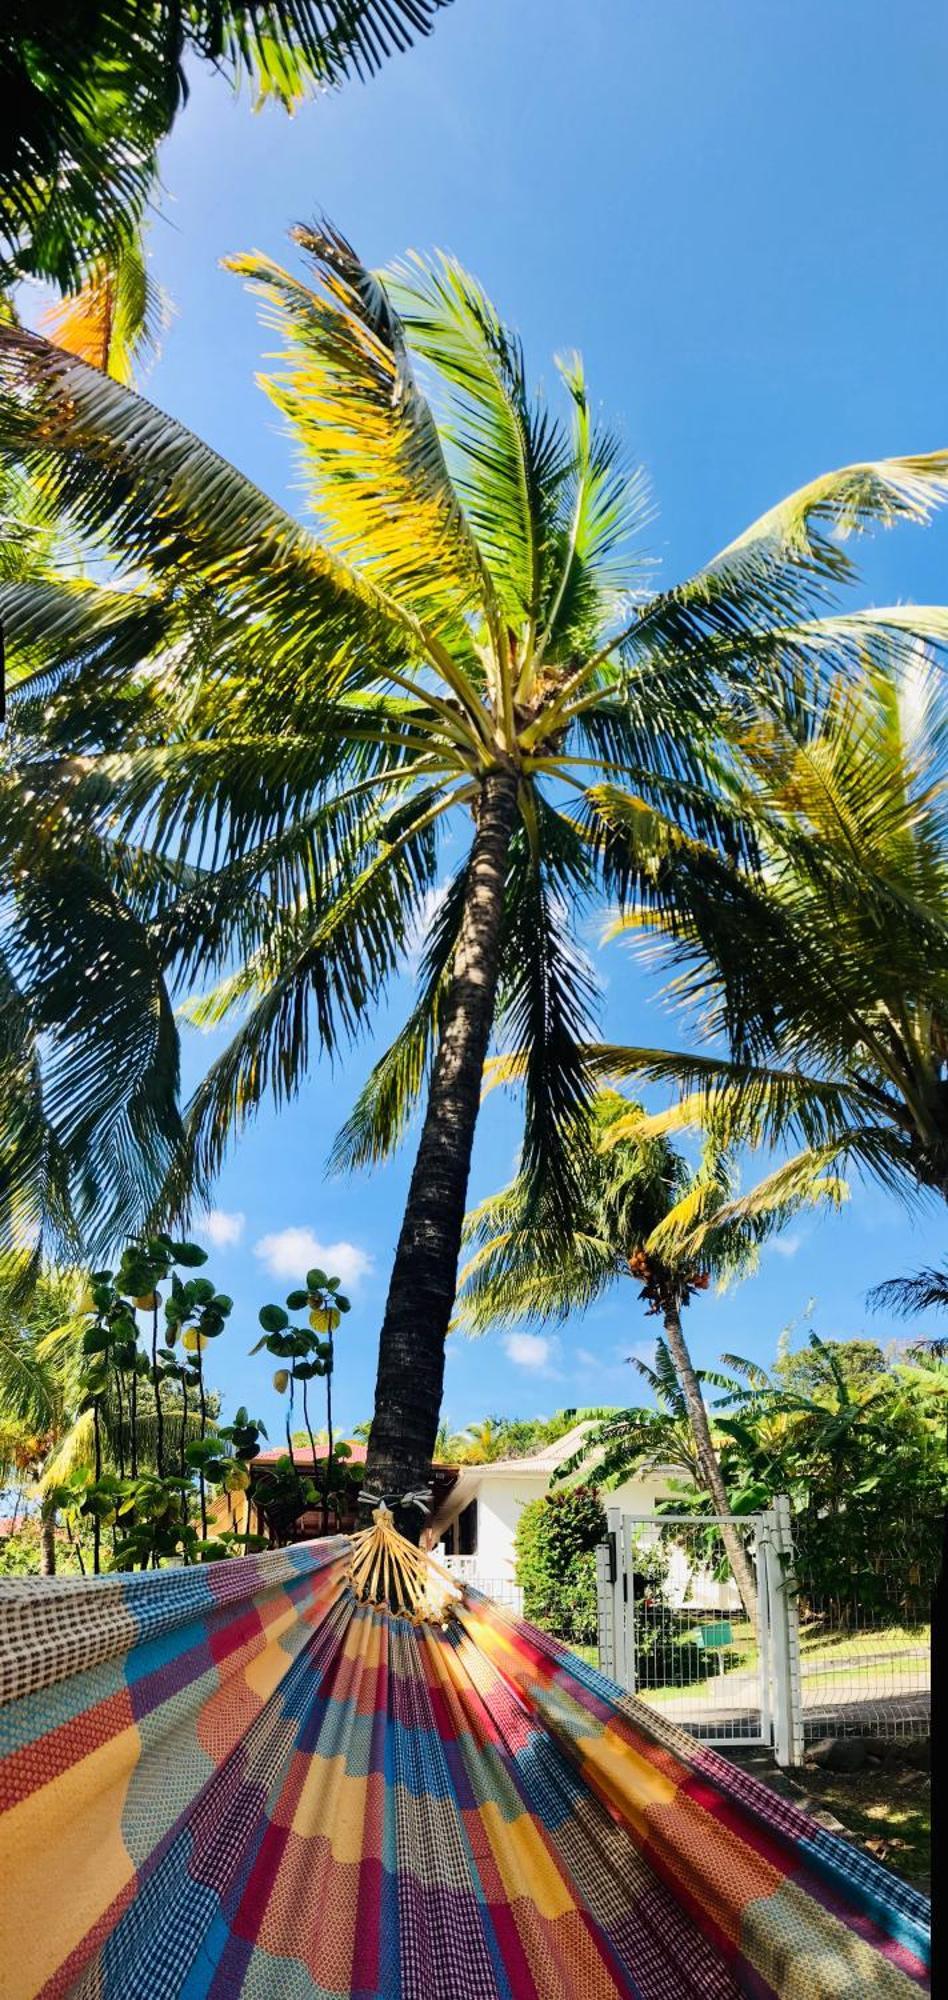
(330,1771)
(389,1573)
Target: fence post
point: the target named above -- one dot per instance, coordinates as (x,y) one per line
(788,1702)
(614,1525)
(792,1614)
(605,1610)
(763,1628)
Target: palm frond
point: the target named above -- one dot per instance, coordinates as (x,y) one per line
(546,999)
(369,444)
(85,104)
(127,473)
(116,319)
(380,1117)
(786,560)
(509,455)
(110,1069)
(925,1291)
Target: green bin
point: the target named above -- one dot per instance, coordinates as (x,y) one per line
(715,1635)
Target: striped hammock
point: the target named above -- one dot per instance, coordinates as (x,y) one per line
(255,1779)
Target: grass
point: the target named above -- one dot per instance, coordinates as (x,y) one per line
(815,1641)
(829,1650)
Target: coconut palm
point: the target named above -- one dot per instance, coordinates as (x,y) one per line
(639,1202)
(271,730)
(87,93)
(833,999)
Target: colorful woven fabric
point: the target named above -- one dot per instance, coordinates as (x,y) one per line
(237,1780)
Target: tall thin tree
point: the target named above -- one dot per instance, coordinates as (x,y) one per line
(634,1201)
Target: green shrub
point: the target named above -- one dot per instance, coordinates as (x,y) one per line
(556,1564)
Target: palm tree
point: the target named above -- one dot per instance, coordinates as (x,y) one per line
(88,92)
(833,996)
(267,732)
(926,1291)
(481,1443)
(40,1430)
(637,1200)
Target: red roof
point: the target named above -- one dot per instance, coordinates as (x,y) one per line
(303,1457)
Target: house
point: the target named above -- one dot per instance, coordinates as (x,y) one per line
(246,1512)
(475,1510)
(473,1528)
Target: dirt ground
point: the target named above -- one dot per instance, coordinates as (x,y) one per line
(886,1808)
(888,1811)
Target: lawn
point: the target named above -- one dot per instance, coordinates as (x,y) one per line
(887,1654)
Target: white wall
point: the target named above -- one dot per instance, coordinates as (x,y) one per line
(501,1499)
(636,1496)
(500,1503)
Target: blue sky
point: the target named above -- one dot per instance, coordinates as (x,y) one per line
(738,213)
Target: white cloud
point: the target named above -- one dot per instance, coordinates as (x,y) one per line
(528,1350)
(785,1246)
(221,1228)
(586,1358)
(290,1253)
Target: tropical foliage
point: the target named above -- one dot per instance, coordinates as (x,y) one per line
(118,1434)
(834,1003)
(643,1212)
(260,738)
(510,1437)
(40,1427)
(556,1564)
(89,90)
(926,1291)
(856,1438)
(308,1352)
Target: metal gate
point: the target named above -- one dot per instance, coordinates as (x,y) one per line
(673,1630)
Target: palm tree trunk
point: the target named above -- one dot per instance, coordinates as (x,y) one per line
(47,1540)
(424,1276)
(708,1459)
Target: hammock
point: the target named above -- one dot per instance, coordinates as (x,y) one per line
(255,1779)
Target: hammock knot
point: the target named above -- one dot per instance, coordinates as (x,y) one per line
(389,1572)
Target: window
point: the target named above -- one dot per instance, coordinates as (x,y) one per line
(467,1530)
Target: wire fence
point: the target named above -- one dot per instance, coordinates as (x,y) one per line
(864,1620)
(687,1646)
(838,1643)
